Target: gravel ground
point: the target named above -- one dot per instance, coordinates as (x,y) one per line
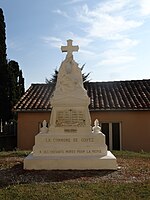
(130,170)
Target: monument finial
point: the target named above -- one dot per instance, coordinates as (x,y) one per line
(69,48)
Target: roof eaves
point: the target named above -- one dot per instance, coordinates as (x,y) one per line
(33,110)
(119,110)
(91,110)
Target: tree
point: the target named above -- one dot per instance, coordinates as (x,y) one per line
(3,59)
(54,76)
(15,83)
(21,88)
(11,79)
(85,76)
(3,70)
(53,79)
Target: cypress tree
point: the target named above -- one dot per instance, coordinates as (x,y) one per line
(3,60)
(11,79)
(4,99)
(15,83)
(21,88)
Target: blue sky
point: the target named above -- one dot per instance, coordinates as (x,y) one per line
(113,37)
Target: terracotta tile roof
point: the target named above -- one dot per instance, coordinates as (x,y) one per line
(116,95)
(37,97)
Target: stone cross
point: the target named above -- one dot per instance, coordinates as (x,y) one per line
(69,48)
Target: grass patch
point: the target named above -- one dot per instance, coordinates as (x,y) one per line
(131,154)
(15,153)
(131,181)
(77,191)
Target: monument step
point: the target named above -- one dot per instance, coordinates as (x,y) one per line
(107,162)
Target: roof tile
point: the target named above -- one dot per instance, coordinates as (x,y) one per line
(116,95)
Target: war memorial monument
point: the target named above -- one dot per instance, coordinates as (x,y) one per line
(70,142)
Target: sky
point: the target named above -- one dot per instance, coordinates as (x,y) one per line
(113,37)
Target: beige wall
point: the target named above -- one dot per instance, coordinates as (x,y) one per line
(135,127)
(28,127)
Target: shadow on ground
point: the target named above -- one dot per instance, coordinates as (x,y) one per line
(17,175)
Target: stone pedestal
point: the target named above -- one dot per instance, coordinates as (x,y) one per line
(70,142)
(70,151)
(107,162)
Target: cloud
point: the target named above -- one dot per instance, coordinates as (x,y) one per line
(126,43)
(115,57)
(87,53)
(81,41)
(112,21)
(109,25)
(60,12)
(106,21)
(145,7)
(14,45)
(53,41)
(112,6)
(118,53)
(74,1)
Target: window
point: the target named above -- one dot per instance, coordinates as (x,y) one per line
(112,132)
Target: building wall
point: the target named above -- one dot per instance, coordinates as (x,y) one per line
(135,127)
(28,127)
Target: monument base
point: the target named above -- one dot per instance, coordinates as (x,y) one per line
(107,162)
